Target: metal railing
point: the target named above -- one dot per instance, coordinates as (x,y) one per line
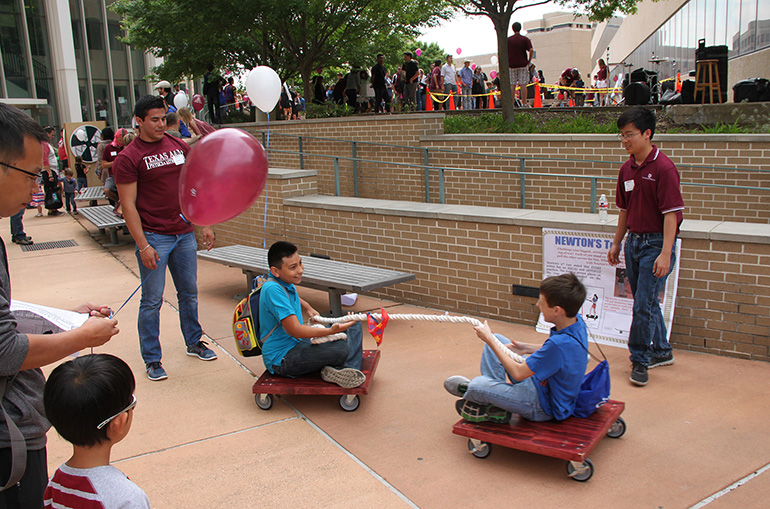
(442,170)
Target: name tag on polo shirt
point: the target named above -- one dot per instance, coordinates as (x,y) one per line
(178,159)
(113,153)
(629,185)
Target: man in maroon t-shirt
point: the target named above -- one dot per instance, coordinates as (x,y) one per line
(650,205)
(520,54)
(147,174)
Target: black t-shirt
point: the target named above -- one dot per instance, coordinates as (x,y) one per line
(378,76)
(411,69)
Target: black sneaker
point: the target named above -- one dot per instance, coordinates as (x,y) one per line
(665,360)
(639,374)
(476,412)
(155,371)
(23,241)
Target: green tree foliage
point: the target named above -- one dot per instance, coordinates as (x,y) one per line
(294,37)
(500,12)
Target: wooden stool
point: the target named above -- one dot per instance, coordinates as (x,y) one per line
(707,80)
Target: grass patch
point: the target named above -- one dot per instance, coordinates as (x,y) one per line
(493,123)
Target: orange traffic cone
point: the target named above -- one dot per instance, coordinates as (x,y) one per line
(538,99)
(571,104)
(491,101)
(428,102)
(451,100)
(679,82)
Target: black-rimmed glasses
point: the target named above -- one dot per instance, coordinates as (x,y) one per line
(31,175)
(129,407)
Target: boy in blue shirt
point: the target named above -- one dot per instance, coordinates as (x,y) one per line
(286,349)
(546,385)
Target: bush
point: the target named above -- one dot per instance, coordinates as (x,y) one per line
(328,109)
(528,123)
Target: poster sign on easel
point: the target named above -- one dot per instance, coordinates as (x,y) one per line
(608,309)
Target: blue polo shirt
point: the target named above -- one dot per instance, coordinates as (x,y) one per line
(559,367)
(275,304)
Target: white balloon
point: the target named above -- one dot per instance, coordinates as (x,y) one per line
(180,100)
(263,87)
(494,59)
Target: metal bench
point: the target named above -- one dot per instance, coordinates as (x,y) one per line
(104,218)
(336,278)
(91,194)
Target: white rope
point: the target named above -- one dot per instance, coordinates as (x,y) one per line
(425,318)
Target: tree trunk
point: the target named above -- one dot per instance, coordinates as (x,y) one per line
(305,72)
(506,98)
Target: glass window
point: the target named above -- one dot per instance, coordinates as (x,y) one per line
(748,26)
(720,27)
(733,28)
(13,49)
(41,61)
(763,24)
(123,102)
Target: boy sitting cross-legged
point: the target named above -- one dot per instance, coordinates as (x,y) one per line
(546,385)
(90,401)
(287,350)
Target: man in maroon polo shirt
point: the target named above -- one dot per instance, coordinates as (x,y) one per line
(650,205)
(520,53)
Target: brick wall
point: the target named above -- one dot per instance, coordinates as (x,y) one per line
(469,267)
(387,178)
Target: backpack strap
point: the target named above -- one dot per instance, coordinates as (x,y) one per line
(586,349)
(262,340)
(18,444)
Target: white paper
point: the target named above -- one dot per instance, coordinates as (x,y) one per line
(37,319)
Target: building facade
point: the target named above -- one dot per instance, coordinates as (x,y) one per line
(62,61)
(663,36)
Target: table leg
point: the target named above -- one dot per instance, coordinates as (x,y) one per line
(335,302)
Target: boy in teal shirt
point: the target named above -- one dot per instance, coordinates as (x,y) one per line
(287,350)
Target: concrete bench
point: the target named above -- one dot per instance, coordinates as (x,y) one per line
(91,194)
(336,278)
(104,218)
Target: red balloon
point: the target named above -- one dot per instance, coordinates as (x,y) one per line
(246,99)
(224,173)
(197,102)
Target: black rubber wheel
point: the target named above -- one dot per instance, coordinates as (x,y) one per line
(264,401)
(582,477)
(617,429)
(349,407)
(482,451)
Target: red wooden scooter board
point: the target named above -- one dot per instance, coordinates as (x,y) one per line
(313,384)
(571,439)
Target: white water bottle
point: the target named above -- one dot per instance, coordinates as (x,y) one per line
(603,208)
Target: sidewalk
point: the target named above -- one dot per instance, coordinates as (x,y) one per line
(199,441)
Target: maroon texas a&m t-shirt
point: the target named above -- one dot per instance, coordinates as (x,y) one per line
(155,167)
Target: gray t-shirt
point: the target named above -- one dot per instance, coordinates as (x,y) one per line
(24,399)
(84,487)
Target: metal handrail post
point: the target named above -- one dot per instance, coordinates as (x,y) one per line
(337,176)
(426,163)
(522,184)
(593,195)
(355,169)
(441,185)
(301,154)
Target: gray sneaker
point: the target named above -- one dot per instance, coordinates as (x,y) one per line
(345,377)
(476,412)
(201,351)
(639,374)
(155,371)
(456,385)
(665,360)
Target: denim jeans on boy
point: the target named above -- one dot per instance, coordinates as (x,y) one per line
(17,227)
(496,387)
(308,358)
(647,337)
(183,265)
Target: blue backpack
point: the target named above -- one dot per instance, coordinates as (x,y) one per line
(595,389)
(246,322)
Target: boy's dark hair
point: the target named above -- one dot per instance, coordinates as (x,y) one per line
(437,62)
(565,291)
(641,117)
(380,55)
(85,391)
(172,119)
(68,172)
(278,251)
(516,27)
(147,103)
(15,125)
(408,54)
(108,134)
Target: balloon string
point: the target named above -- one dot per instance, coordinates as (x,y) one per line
(267,154)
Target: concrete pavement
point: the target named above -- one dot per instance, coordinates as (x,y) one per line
(199,441)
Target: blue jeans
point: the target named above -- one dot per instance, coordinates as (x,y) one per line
(17,228)
(494,388)
(183,265)
(451,88)
(69,201)
(467,99)
(308,358)
(82,182)
(647,337)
